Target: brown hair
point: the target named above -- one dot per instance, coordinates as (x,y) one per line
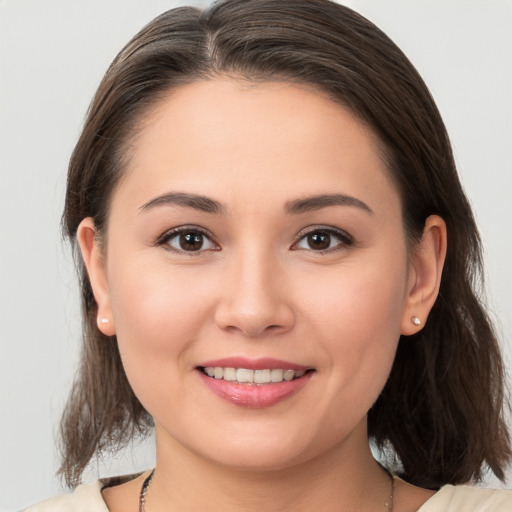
(441,411)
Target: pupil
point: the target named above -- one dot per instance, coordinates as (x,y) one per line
(319,241)
(191,241)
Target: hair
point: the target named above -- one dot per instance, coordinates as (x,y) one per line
(441,412)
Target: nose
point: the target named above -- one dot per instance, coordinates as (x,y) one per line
(255,300)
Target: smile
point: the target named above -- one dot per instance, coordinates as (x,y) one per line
(254,383)
(247,376)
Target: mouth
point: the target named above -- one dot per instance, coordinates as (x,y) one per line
(248,376)
(254,384)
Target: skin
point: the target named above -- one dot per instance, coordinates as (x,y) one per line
(257,288)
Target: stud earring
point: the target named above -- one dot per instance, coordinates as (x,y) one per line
(102,320)
(415,320)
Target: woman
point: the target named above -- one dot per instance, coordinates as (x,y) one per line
(277,265)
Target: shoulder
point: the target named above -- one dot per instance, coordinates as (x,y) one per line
(85,498)
(463,498)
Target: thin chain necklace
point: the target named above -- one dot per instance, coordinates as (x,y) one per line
(144,491)
(147,481)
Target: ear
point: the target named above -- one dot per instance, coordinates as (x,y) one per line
(95,264)
(424,278)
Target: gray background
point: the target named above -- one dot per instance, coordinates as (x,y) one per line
(52,57)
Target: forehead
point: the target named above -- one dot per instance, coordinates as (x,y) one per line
(225,135)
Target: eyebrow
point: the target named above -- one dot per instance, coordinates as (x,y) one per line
(208,205)
(309,204)
(197,202)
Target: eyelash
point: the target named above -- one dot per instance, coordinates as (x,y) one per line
(182,230)
(345,240)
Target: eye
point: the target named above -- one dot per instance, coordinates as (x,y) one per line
(323,240)
(187,240)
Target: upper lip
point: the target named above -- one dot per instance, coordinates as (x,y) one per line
(263,363)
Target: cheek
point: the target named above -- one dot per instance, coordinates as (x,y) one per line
(356,318)
(157,316)
(365,297)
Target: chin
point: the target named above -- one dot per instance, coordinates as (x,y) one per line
(258,460)
(272,448)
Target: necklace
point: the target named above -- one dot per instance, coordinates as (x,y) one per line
(144,491)
(147,481)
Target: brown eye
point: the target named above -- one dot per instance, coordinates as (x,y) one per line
(189,240)
(324,240)
(319,241)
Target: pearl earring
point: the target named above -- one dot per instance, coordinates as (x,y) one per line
(104,320)
(415,320)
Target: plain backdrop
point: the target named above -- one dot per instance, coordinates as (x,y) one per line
(52,56)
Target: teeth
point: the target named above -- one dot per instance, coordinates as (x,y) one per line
(262,376)
(243,375)
(288,374)
(229,374)
(276,375)
(246,376)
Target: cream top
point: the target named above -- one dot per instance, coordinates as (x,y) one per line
(460,498)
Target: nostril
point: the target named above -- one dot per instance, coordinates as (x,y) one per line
(254,321)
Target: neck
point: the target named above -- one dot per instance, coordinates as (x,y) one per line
(347,478)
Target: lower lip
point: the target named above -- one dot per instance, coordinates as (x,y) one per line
(254,396)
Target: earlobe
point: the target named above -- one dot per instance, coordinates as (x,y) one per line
(424,275)
(94,262)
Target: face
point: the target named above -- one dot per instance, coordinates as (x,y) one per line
(256,235)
